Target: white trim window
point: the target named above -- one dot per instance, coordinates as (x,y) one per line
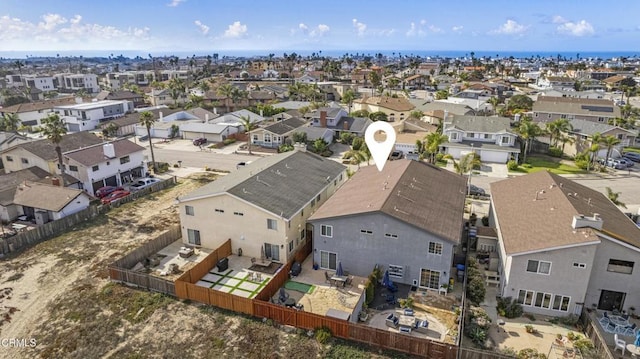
(435,248)
(540,267)
(561,303)
(542,300)
(326,230)
(429,278)
(193,236)
(366,231)
(396,271)
(328,260)
(188,210)
(272,224)
(525,297)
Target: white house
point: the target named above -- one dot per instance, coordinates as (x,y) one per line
(45,202)
(87,116)
(489,137)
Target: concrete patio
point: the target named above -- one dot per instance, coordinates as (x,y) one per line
(170,255)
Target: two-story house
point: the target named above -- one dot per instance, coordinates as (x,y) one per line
(548,109)
(87,116)
(106,164)
(489,137)
(563,246)
(396,108)
(77,82)
(407,218)
(32,113)
(263,207)
(42,153)
(337,120)
(582,131)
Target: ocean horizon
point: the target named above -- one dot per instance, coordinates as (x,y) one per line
(572,55)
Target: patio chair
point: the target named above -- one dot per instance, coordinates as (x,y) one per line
(327,277)
(604,321)
(630,330)
(625,316)
(408,312)
(283,295)
(620,344)
(392,321)
(422,326)
(349,281)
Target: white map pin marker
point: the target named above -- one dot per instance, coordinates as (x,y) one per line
(380,150)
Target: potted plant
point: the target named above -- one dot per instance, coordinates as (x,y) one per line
(632,312)
(559,339)
(530,329)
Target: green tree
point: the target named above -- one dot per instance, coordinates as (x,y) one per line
(375,79)
(299,137)
(520,102)
(432,143)
(10,122)
(177,88)
(226,90)
(610,142)
(594,148)
(348,97)
(147,120)
(319,146)
(111,130)
(54,128)
(556,128)
(416,114)
(346,137)
(378,116)
(359,113)
(494,101)
(528,131)
(613,197)
(442,95)
(248,127)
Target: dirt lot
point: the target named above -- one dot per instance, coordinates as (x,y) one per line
(58,298)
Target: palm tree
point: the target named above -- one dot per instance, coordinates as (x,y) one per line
(610,142)
(556,128)
(10,122)
(566,139)
(226,90)
(432,144)
(596,140)
(53,127)
(466,163)
(177,88)
(348,97)
(248,127)
(147,120)
(416,115)
(494,101)
(613,197)
(528,131)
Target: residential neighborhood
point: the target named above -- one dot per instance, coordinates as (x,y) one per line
(243,203)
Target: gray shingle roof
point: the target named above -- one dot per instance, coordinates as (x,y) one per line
(95,154)
(281,184)
(481,124)
(588,128)
(332,112)
(422,195)
(285,126)
(10,181)
(46,150)
(44,196)
(313,133)
(576,106)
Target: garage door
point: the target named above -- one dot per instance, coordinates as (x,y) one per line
(494,156)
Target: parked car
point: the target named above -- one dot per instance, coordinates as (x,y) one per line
(199,141)
(114,196)
(143,183)
(476,191)
(395,155)
(613,163)
(104,191)
(625,161)
(242,164)
(633,156)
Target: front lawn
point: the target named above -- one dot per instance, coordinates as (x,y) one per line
(536,163)
(632,149)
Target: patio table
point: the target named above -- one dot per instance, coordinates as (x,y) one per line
(618,321)
(339,279)
(407,321)
(634,350)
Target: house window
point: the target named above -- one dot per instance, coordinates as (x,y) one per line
(313,202)
(505,140)
(391,235)
(9,159)
(525,297)
(124,160)
(267,138)
(188,210)
(272,251)
(560,302)
(366,231)
(620,266)
(238,214)
(290,246)
(193,236)
(24,161)
(454,135)
(471,135)
(272,224)
(95,168)
(303,234)
(255,138)
(435,248)
(487,136)
(218,210)
(326,231)
(73,168)
(318,198)
(563,116)
(328,260)
(539,267)
(601,119)
(543,300)
(396,271)
(429,278)
(579,265)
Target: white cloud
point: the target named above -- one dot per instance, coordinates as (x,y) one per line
(175,3)
(320,30)
(51,21)
(421,29)
(510,27)
(557,19)
(360,27)
(580,28)
(457,29)
(303,27)
(435,29)
(415,30)
(236,31)
(204,29)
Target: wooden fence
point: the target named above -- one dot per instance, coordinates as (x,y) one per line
(51,229)
(120,270)
(588,320)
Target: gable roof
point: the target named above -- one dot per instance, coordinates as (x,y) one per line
(94,155)
(10,181)
(39,105)
(588,128)
(391,103)
(281,184)
(354,124)
(47,150)
(576,106)
(44,196)
(530,224)
(285,126)
(482,124)
(419,194)
(332,112)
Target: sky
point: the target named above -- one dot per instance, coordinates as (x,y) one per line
(206,26)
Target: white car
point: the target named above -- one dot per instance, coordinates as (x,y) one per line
(143,183)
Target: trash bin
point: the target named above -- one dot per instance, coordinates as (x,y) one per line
(223,264)
(239,252)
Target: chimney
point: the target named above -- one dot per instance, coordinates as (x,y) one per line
(109,150)
(345,125)
(323,118)
(78,100)
(581,221)
(215,110)
(55,181)
(300,146)
(206,117)
(160,114)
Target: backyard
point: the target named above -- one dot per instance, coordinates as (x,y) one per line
(555,165)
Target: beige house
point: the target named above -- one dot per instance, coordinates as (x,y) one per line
(263,207)
(548,109)
(396,108)
(46,202)
(583,130)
